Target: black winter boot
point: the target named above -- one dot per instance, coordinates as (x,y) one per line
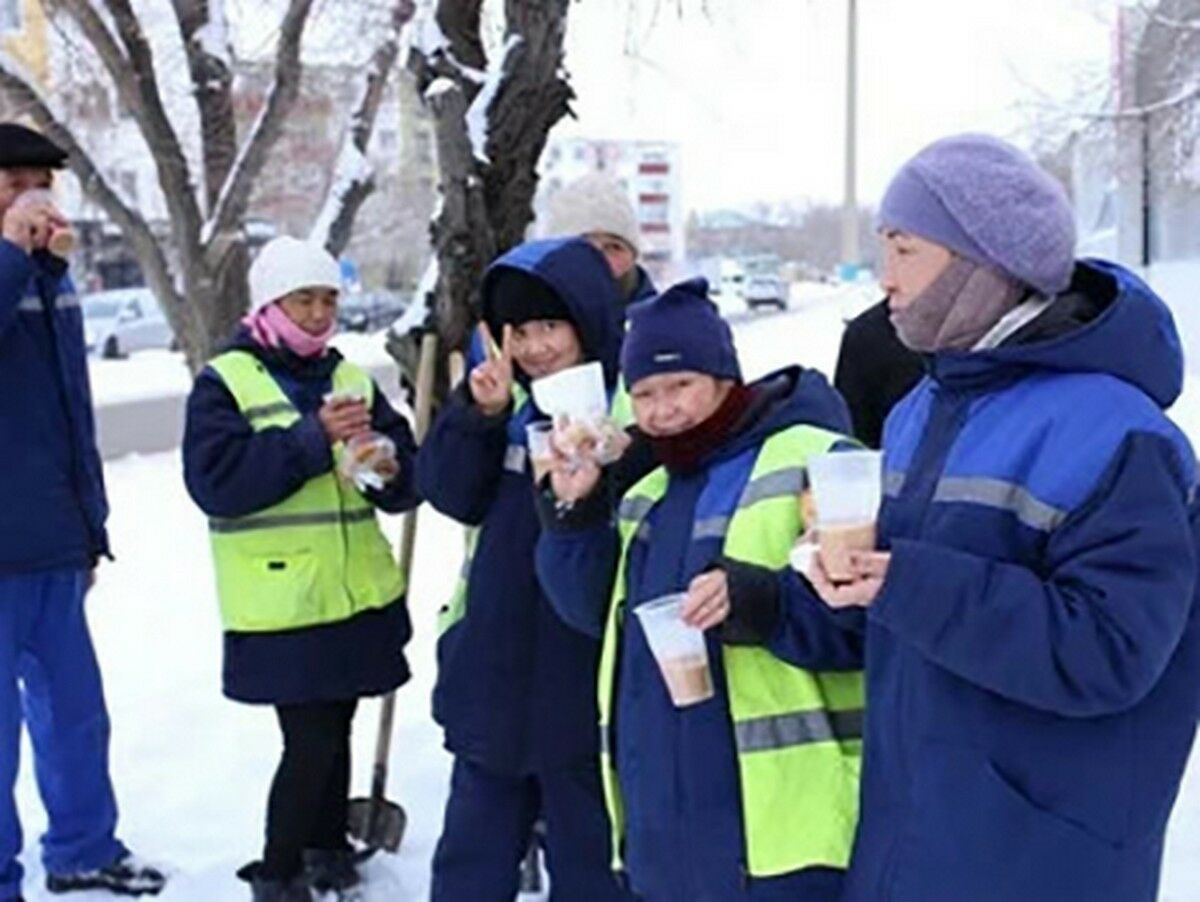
(330,869)
(127,876)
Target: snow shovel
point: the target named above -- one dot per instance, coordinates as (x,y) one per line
(376,822)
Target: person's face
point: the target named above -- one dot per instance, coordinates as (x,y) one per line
(312,309)
(670,403)
(620,256)
(542,347)
(910,265)
(19,179)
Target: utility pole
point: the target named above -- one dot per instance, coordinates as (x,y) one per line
(850,250)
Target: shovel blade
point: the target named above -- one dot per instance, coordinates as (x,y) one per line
(377,823)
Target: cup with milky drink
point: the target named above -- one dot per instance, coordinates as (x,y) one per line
(847,490)
(62,239)
(541,449)
(678,648)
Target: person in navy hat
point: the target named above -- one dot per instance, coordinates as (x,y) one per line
(749,794)
(1033,639)
(53,523)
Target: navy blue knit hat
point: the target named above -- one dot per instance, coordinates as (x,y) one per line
(679,330)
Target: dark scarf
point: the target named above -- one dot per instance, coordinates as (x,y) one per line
(683,453)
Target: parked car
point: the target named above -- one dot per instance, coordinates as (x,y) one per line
(766,290)
(370,310)
(123,320)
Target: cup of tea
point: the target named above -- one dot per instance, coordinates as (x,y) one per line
(541,449)
(678,648)
(847,490)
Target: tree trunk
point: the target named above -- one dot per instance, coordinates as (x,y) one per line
(487,204)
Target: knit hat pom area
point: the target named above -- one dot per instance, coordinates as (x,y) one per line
(988,201)
(679,330)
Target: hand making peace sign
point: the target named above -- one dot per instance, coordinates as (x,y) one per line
(492,380)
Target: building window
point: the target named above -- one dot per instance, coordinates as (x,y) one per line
(10,15)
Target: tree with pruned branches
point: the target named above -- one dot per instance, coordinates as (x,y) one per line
(199,273)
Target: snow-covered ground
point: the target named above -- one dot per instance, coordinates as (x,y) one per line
(192,769)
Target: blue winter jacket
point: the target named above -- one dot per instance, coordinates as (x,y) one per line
(1033,659)
(516,686)
(50,476)
(677,768)
(231,471)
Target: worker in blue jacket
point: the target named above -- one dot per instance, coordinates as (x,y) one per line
(52,520)
(1033,645)
(516,685)
(752,793)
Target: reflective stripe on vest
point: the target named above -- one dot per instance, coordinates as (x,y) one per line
(516,460)
(316,557)
(798,733)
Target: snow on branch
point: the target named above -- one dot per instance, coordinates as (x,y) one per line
(1182,97)
(478,124)
(352,173)
(150,113)
(234,195)
(353,178)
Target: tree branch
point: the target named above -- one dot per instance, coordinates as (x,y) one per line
(1153,15)
(459,21)
(234,196)
(19,88)
(352,183)
(202,27)
(1185,96)
(145,99)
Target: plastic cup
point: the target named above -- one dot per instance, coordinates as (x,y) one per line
(62,239)
(678,648)
(576,393)
(847,490)
(541,450)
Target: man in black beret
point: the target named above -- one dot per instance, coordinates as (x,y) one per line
(52,523)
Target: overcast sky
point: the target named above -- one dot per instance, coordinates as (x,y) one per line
(756,93)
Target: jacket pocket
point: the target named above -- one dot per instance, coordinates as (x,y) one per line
(974,836)
(283,593)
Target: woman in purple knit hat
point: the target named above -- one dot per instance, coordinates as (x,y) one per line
(1033,653)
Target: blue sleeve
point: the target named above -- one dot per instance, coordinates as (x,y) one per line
(400,494)
(823,405)
(1092,633)
(576,569)
(779,610)
(461,460)
(231,470)
(809,633)
(16,269)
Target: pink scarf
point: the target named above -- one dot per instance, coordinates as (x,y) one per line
(271,327)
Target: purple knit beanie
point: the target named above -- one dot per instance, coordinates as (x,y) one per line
(987,201)
(678,330)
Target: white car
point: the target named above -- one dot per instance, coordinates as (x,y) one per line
(123,320)
(765,290)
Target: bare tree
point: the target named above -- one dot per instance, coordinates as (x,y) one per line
(491,121)
(201,284)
